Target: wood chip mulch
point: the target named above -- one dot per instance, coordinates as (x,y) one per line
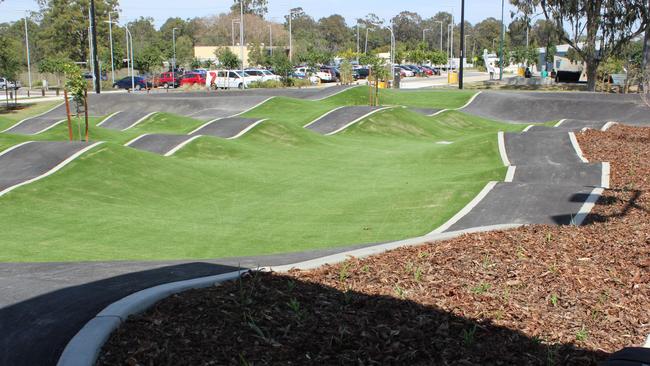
(537,295)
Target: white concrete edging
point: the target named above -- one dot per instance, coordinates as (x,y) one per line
(83,349)
(323,116)
(136,139)
(242,132)
(576,147)
(560,123)
(608,125)
(139,121)
(589,203)
(462,213)
(36,116)
(502,148)
(470,101)
(181,145)
(604,181)
(510,174)
(108,117)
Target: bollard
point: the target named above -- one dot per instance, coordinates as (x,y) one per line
(57,92)
(43,92)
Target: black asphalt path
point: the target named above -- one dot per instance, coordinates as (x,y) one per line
(578,174)
(339,118)
(548,147)
(123,119)
(159,143)
(36,124)
(227,127)
(34,159)
(531,107)
(45,304)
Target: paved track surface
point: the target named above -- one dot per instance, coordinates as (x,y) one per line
(550,184)
(123,119)
(34,125)
(227,127)
(529,107)
(159,143)
(339,118)
(45,304)
(34,159)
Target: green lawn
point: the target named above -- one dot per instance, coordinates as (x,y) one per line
(279,188)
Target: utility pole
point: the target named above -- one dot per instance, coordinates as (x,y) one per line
(424,32)
(290,37)
(110,37)
(271,38)
(93,31)
(365,51)
(358,48)
(440,21)
(29,66)
(503,37)
(241,41)
(174,59)
(462,44)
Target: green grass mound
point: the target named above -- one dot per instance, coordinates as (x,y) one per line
(279,188)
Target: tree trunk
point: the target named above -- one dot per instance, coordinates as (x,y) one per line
(646,52)
(592,74)
(7,95)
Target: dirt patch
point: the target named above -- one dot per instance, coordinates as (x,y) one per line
(537,295)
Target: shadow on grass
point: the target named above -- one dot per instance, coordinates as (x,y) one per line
(272,319)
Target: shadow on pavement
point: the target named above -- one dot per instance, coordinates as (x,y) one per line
(35,331)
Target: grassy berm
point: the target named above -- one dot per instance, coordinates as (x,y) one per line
(536,295)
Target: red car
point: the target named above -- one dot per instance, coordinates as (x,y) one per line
(192,78)
(168,79)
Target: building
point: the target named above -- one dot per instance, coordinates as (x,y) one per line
(207,53)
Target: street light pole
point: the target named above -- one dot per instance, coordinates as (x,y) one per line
(424,32)
(93,34)
(271,38)
(366,48)
(462,45)
(392,53)
(290,36)
(174,59)
(241,41)
(358,47)
(110,37)
(502,39)
(129,48)
(29,66)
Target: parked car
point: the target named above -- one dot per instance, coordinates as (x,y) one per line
(169,79)
(336,74)
(6,84)
(405,72)
(363,73)
(262,75)
(192,78)
(434,70)
(222,79)
(138,82)
(314,75)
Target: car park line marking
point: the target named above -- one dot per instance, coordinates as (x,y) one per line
(608,125)
(14,147)
(182,145)
(604,182)
(39,115)
(528,128)
(136,139)
(49,127)
(510,175)
(53,170)
(357,120)
(321,117)
(140,120)
(109,117)
(251,108)
(502,148)
(587,206)
(560,123)
(576,147)
(470,101)
(242,132)
(469,207)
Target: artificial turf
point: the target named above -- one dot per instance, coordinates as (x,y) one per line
(279,188)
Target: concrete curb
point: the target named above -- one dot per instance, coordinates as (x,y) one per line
(576,147)
(84,348)
(108,117)
(358,120)
(139,121)
(36,116)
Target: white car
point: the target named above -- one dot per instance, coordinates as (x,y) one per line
(223,79)
(313,75)
(262,75)
(4,83)
(406,72)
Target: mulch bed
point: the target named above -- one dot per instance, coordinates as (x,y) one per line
(537,295)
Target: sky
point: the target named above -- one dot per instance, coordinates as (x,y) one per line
(160,10)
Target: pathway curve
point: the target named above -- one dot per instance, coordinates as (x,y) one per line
(40,123)
(341,118)
(548,182)
(30,161)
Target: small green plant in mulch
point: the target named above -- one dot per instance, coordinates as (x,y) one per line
(481,288)
(365,269)
(554,300)
(469,336)
(582,335)
(549,238)
(344,271)
(417,275)
(400,292)
(487,261)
